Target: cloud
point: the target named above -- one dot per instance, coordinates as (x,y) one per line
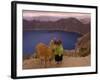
(29,14)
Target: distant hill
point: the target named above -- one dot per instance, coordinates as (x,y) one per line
(66,24)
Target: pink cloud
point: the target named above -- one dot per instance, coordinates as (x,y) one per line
(28,14)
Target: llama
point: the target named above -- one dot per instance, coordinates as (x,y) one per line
(44,53)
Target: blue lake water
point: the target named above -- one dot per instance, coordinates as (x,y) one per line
(32,38)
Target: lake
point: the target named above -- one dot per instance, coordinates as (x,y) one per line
(32,38)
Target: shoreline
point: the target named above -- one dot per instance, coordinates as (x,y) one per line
(82,34)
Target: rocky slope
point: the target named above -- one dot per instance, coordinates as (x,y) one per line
(83,45)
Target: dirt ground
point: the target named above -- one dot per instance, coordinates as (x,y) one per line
(34,63)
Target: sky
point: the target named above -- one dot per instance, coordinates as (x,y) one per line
(30,14)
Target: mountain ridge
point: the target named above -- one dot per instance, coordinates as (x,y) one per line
(67,24)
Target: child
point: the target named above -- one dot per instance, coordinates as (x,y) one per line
(58,51)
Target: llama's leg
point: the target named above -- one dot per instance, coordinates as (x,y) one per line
(50,60)
(42,61)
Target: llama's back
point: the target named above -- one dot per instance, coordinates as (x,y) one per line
(41,49)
